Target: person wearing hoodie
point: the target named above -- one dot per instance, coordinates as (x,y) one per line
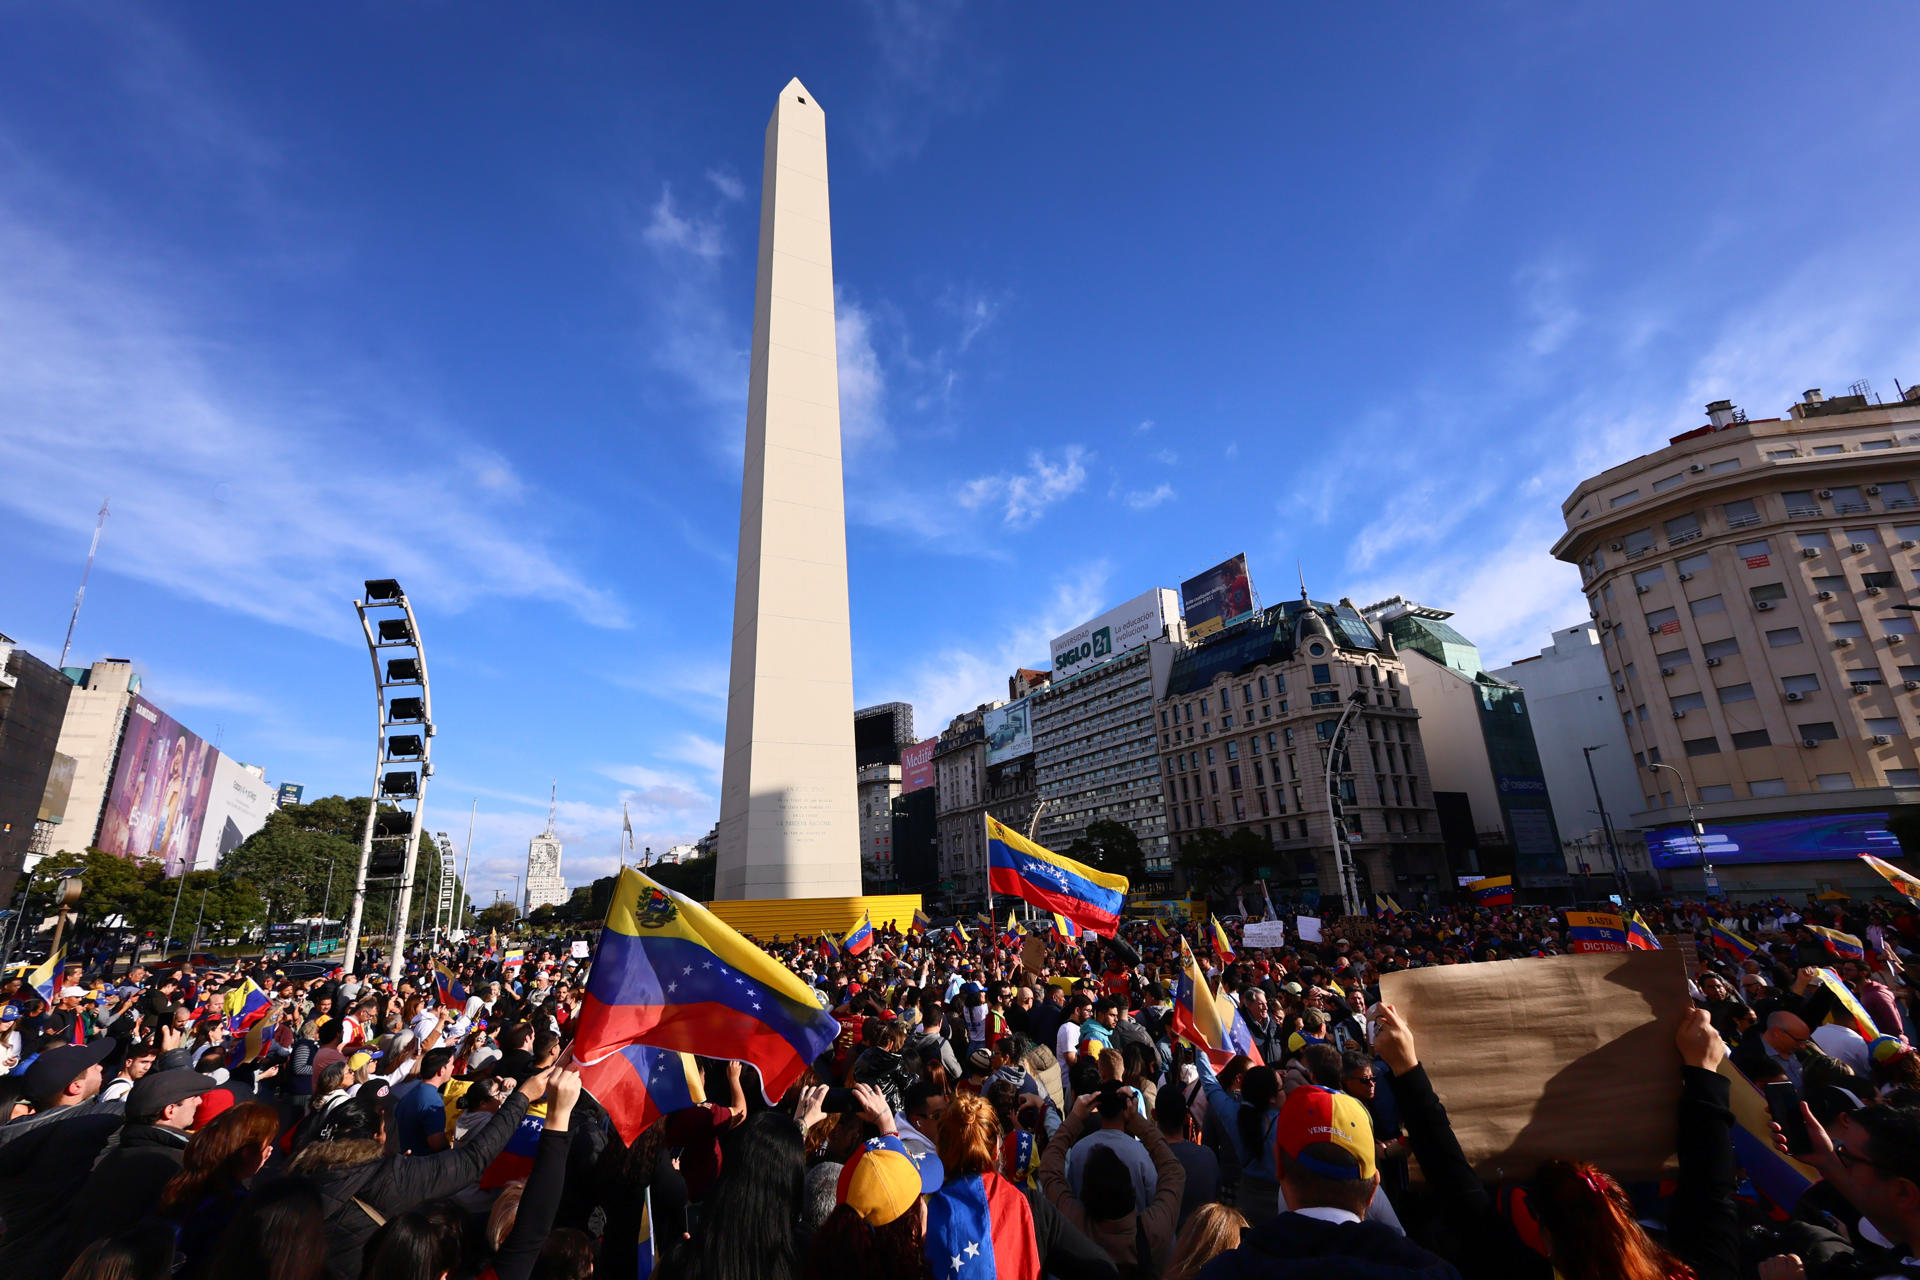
(881,1065)
(929,1045)
(362,1186)
(1139,1240)
(1325,1152)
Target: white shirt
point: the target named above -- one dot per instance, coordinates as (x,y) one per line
(1845,1044)
(1326,1213)
(1067,1042)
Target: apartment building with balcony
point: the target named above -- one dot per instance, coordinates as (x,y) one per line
(1095,753)
(1747,581)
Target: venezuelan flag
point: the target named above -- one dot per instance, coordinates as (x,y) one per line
(829,945)
(1731,943)
(1159,930)
(858,938)
(638,1085)
(248,1047)
(1844,945)
(1903,884)
(1065,927)
(1639,937)
(960,932)
(921,921)
(452,993)
(1857,1019)
(515,1161)
(43,978)
(1210,1023)
(514,957)
(669,974)
(1222,945)
(1781,1179)
(1020,868)
(1494,891)
(1388,907)
(977,1230)
(245,1005)
(1589,931)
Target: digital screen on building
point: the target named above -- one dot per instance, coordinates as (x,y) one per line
(159,793)
(1217,598)
(1826,839)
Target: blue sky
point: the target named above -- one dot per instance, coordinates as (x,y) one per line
(461,294)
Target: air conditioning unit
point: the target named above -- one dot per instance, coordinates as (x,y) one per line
(1809,743)
(1896,638)
(1697,469)
(1908,544)
(1686,577)
(1826,595)
(1873,591)
(1842,642)
(1874,489)
(1810,553)
(1856,546)
(1679,715)
(1665,671)
(1713,662)
(1642,589)
(1763,605)
(1825,493)
(1910,684)
(1857,687)
(1615,546)
(1653,631)
(1881,740)
(1795,697)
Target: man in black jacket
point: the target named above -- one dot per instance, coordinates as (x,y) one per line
(139,1160)
(45,1157)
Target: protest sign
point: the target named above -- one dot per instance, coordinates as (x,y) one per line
(1033,955)
(1354,928)
(1586,1053)
(580,949)
(1308,928)
(1269,933)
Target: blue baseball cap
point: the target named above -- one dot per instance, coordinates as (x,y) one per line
(9,1012)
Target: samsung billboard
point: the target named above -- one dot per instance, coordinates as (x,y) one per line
(1143,618)
(1009,732)
(1829,838)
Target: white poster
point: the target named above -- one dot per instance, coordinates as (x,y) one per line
(580,951)
(1268,933)
(1143,618)
(1009,732)
(238,802)
(1309,927)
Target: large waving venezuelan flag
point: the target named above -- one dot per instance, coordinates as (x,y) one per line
(669,974)
(1212,1024)
(1019,868)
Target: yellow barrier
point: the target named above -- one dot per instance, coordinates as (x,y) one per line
(770,918)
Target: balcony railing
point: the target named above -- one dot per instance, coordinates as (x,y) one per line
(1851,508)
(1680,539)
(1801,513)
(1741,522)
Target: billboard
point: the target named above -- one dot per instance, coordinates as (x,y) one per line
(59,792)
(1217,598)
(289,793)
(1143,618)
(1827,838)
(916,765)
(237,806)
(1009,732)
(159,793)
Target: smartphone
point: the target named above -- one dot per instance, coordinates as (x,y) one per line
(839,1102)
(1783,1100)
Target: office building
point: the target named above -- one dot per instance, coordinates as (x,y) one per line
(879,785)
(33,791)
(90,735)
(1488,786)
(1244,726)
(1746,580)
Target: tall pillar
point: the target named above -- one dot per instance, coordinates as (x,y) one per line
(788,809)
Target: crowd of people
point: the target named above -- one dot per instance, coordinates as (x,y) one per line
(995,1107)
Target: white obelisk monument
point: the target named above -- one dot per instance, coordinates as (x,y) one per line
(788,816)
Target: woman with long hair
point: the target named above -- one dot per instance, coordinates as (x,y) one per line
(748,1228)
(215,1170)
(1589,1227)
(278,1234)
(968,1140)
(1211,1231)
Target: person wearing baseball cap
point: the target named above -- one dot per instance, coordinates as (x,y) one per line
(12,1043)
(142,1158)
(45,1157)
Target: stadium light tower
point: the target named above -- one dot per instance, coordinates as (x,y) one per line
(391,843)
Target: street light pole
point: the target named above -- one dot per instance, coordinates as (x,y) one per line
(1606,823)
(1693,823)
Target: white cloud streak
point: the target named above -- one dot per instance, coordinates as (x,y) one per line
(1025,496)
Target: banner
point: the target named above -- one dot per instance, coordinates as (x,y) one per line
(159,793)
(1827,838)
(238,802)
(1585,1043)
(1217,598)
(1595,931)
(916,765)
(1143,618)
(1009,731)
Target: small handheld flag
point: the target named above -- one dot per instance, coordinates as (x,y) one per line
(1065,927)
(1494,891)
(1595,931)
(858,938)
(1639,937)
(43,978)
(1844,945)
(1732,943)
(921,921)
(1210,1023)
(1222,946)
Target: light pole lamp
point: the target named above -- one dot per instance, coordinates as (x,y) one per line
(1693,824)
(1606,823)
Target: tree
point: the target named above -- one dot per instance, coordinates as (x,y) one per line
(1217,863)
(498,915)
(1111,847)
(693,877)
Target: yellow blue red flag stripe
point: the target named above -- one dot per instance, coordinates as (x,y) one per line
(1639,937)
(1019,868)
(1844,945)
(1494,891)
(669,974)
(1589,931)
(1213,1024)
(1065,927)
(1222,946)
(1732,943)
(858,938)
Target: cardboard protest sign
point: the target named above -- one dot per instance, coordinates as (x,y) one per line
(1033,954)
(1354,928)
(1554,1057)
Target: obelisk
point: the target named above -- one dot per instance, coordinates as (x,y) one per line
(788,821)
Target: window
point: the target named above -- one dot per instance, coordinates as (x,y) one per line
(1907,532)
(1834,582)
(1736,693)
(1233,777)
(1783,637)
(1847,630)
(1696,563)
(1800,503)
(1322,673)
(1800,684)
(1213,782)
(1781,455)
(1896,494)
(1820,450)
(1688,701)
(1324,729)
(1163,719)
(1677,658)
(1702,746)
(1721,648)
(1226,720)
(1620,500)
(1903,777)
(1724,465)
(1910,673)
(1882,580)
(1887,725)
(1705,605)
(1759,787)
(1647,578)
(1233,751)
(1209,755)
(1203,708)
(1742,513)
(1751,738)
(1683,528)
(1870,537)
(1638,543)
(1865,675)
(1818,731)
(1900,626)
(1716,793)
(1263,686)
(1768,591)
(1641,712)
(1847,500)
(1325,698)
(1818,538)
(1667,620)
(1867,446)
(1834,781)
(1665,483)
(1627,671)
(1247,692)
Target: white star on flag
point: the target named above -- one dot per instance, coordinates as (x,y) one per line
(973,1248)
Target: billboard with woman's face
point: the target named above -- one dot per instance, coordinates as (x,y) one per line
(158,799)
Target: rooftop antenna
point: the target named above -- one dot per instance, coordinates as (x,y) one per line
(86,573)
(1303,578)
(626,835)
(553,796)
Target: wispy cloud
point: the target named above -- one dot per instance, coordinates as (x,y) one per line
(863,382)
(668,228)
(728,184)
(1148,499)
(926,72)
(1025,496)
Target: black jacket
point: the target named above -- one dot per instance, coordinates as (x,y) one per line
(44,1161)
(126,1183)
(1292,1246)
